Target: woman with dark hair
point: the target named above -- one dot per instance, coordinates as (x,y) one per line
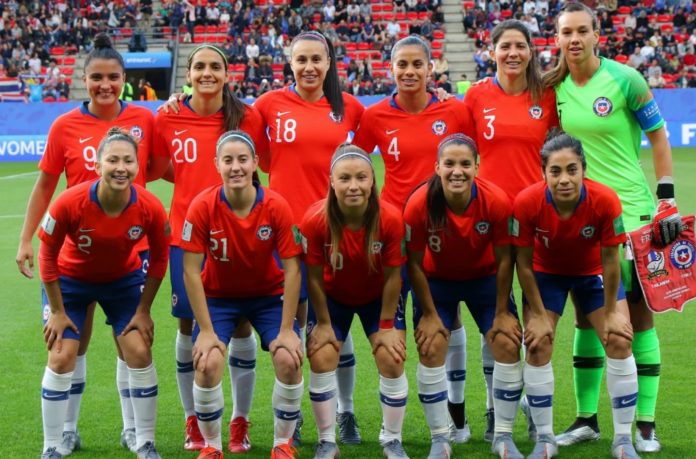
(567,232)
(607,105)
(458,250)
(71,149)
(352,239)
(185,142)
(89,253)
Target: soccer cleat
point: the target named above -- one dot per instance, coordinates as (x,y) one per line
(239,436)
(460,436)
(128,440)
(646,438)
(583,429)
(545,448)
(194,440)
(394,450)
(284,451)
(297,434)
(326,450)
(490,425)
(148,451)
(505,448)
(622,448)
(531,427)
(210,452)
(440,448)
(348,429)
(51,453)
(71,442)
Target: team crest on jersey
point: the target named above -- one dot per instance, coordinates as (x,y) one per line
(482,227)
(682,255)
(46,312)
(655,262)
(587,231)
(602,106)
(536,112)
(439,127)
(377,248)
(135,232)
(264,232)
(175,300)
(136,132)
(335,117)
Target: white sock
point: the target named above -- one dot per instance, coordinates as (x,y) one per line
(622,385)
(143,391)
(487,362)
(77,387)
(303,337)
(242,366)
(209,402)
(184,372)
(345,376)
(393,393)
(456,365)
(539,386)
(322,393)
(55,392)
(286,402)
(124,394)
(432,391)
(507,390)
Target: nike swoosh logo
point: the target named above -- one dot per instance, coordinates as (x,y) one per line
(392,131)
(486,110)
(534,402)
(150,392)
(458,375)
(510,396)
(85,140)
(282,113)
(289,416)
(216,231)
(206,416)
(82,230)
(628,401)
(560,103)
(429,399)
(50,396)
(180,132)
(539,230)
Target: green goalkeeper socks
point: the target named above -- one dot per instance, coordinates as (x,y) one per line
(646,350)
(588,367)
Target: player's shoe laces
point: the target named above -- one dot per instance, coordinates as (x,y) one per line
(51,453)
(394,450)
(622,448)
(297,434)
(545,448)
(583,429)
(646,438)
(148,451)
(284,451)
(440,448)
(71,442)
(326,450)
(348,429)
(128,440)
(210,452)
(194,440)
(531,427)
(505,448)
(239,436)
(490,425)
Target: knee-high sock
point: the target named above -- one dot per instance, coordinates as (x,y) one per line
(77,387)
(393,393)
(124,394)
(287,400)
(209,403)
(622,385)
(507,390)
(539,385)
(455,367)
(487,362)
(322,393)
(646,350)
(242,366)
(143,390)
(184,372)
(432,392)
(345,376)
(55,392)
(588,366)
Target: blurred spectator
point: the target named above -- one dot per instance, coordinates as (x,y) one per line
(251,71)
(463,85)
(137,42)
(636,60)
(62,88)
(443,82)
(689,60)
(127,92)
(441,67)
(393,28)
(264,87)
(146,91)
(252,49)
(655,79)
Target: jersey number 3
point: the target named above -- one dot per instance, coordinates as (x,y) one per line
(490,130)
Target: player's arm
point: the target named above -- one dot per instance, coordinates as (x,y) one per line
(537,324)
(287,338)
(160,167)
(323,333)
(430,324)
(662,153)
(39,200)
(388,336)
(504,322)
(614,321)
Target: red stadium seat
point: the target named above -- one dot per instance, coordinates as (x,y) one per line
(376,8)
(506,14)
(69,60)
(57,51)
(665,18)
(438,34)
(667,27)
(616,20)
(400,17)
(351,46)
(624,10)
(198,39)
(423,15)
(603,39)
(199,29)
(468,5)
(388,7)
(67,71)
(411,15)
(539,41)
(621,58)
(222,28)
(436,44)
(211,29)
(59,60)
(437,53)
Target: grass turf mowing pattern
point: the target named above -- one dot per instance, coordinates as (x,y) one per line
(24,357)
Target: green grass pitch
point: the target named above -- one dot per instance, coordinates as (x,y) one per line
(23,358)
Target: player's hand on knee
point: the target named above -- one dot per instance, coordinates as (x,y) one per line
(617,324)
(392,341)
(321,335)
(667,223)
(506,324)
(141,322)
(288,340)
(54,328)
(537,329)
(207,342)
(428,328)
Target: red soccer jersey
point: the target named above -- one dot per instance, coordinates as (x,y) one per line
(353,282)
(569,247)
(75,136)
(509,132)
(408,143)
(464,250)
(99,248)
(239,251)
(302,138)
(190,140)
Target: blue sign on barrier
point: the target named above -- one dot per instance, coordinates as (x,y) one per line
(22,147)
(156,60)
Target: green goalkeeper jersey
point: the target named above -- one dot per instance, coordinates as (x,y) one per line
(607,116)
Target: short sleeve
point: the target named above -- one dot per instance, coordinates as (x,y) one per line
(158,238)
(612,232)
(521,225)
(288,242)
(53,160)
(393,240)
(364,135)
(195,232)
(56,223)
(500,215)
(313,236)
(415,220)
(159,143)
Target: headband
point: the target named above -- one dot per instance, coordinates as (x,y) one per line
(214,48)
(312,35)
(347,154)
(458,137)
(237,136)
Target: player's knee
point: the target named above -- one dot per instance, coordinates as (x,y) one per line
(434,355)
(212,365)
(62,362)
(541,354)
(504,349)
(324,359)
(618,346)
(387,365)
(286,368)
